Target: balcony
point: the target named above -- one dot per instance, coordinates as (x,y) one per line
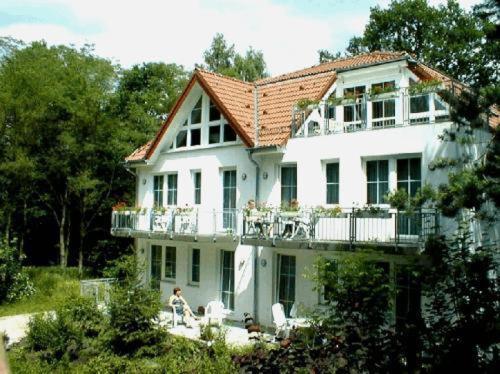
(398,108)
(349,228)
(175,223)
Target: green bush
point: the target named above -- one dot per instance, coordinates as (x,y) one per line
(14,282)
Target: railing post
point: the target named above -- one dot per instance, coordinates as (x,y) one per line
(352,228)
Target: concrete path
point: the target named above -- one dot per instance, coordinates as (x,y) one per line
(15,327)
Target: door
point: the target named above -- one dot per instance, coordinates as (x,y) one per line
(227,279)
(155,267)
(286,282)
(229,200)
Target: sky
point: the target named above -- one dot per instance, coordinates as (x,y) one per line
(288,32)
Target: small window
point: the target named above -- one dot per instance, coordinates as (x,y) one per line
(229,134)
(158,191)
(172,189)
(170,262)
(214,114)
(195,266)
(377,175)
(181,139)
(196,113)
(332,183)
(195,137)
(214,134)
(197,187)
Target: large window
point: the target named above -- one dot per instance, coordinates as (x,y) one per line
(170,262)
(196,112)
(172,189)
(377,175)
(227,279)
(155,266)
(288,184)
(332,183)
(197,187)
(354,111)
(409,179)
(383,110)
(286,282)
(229,199)
(195,266)
(158,191)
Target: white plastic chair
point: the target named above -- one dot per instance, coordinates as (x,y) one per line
(176,318)
(280,321)
(214,311)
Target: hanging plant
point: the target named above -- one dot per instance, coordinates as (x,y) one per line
(431,85)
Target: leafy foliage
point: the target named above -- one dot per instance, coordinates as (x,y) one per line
(14,282)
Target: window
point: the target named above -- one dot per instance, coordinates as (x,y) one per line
(286,282)
(354,112)
(195,137)
(227,279)
(155,266)
(181,139)
(407,297)
(288,184)
(229,133)
(377,175)
(196,112)
(172,189)
(409,179)
(214,134)
(197,187)
(214,114)
(332,183)
(170,261)
(158,191)
(195,266)
(419,104)
(229,199)
(383,110)
(331,108)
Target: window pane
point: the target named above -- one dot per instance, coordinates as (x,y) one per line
(438,104)
(196,113)
(155,266)
(172,189)
(372,193)
(419,104)
(170,262)
(214,134)
(377,109)
(402,169)
(158,190)
(332,173)
(383,172)
(415,168)
(288,184)
(348,113)
(331,112)
(229,134)
(197,188)
(181,139)
(389,108)
(371,171)
(195,136)
(214,112)
(383,190)
(332,194)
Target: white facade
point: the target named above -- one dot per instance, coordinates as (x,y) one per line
(255,280)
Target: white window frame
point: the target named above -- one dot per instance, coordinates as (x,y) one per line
(193,177)
(176,189)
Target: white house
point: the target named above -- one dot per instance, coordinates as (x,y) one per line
(370,125)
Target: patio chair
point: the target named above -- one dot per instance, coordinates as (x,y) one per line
(176,318)
(280,321)
(214,311)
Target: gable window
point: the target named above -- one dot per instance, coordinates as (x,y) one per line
(332,183)
(172,189)
(214,114)
(181,139)
(383,110)
(158,191)
(195,137)
(355,109)
(227,279)
(229,133)
(196,112)
(170,262)
(195,266)
(288,184)
(197,187)
(214,134)
(377,175)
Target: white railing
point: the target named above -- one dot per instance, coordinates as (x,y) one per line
(98,289)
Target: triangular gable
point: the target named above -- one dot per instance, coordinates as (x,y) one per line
(217,90)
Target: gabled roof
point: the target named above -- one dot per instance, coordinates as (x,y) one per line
(276,97)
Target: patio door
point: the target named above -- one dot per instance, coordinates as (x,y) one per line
(229,200)
(409,179)
(227,279)
(286,282)
(155,267)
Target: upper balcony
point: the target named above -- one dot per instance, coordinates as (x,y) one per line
(383,107)
(317,228)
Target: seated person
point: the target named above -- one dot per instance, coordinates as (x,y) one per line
(177,302)
(253,217)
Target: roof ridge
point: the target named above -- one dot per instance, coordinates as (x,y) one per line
(223,76)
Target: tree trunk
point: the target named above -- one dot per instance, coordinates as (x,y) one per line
(62,239)
(7,227)
(23,230)
(80,247)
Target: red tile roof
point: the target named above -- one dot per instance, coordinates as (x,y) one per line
(276,97)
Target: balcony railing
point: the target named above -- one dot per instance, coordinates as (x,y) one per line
(369,112)
(175,221)
(345,225)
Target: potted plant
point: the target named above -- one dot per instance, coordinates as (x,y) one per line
(306,103)
(379,92)
(371,211)
(334,212)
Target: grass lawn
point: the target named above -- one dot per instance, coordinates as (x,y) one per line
(52,285)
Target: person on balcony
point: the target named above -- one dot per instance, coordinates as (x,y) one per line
(253,218)
(181,307)
(292,222)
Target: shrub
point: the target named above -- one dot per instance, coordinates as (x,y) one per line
(14,282)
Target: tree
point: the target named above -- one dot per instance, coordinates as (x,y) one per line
(222,58)
(145,95)
(446,37)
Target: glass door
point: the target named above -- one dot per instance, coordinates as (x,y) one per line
(155,267)
(227,279)
(286,282)
(229,200)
